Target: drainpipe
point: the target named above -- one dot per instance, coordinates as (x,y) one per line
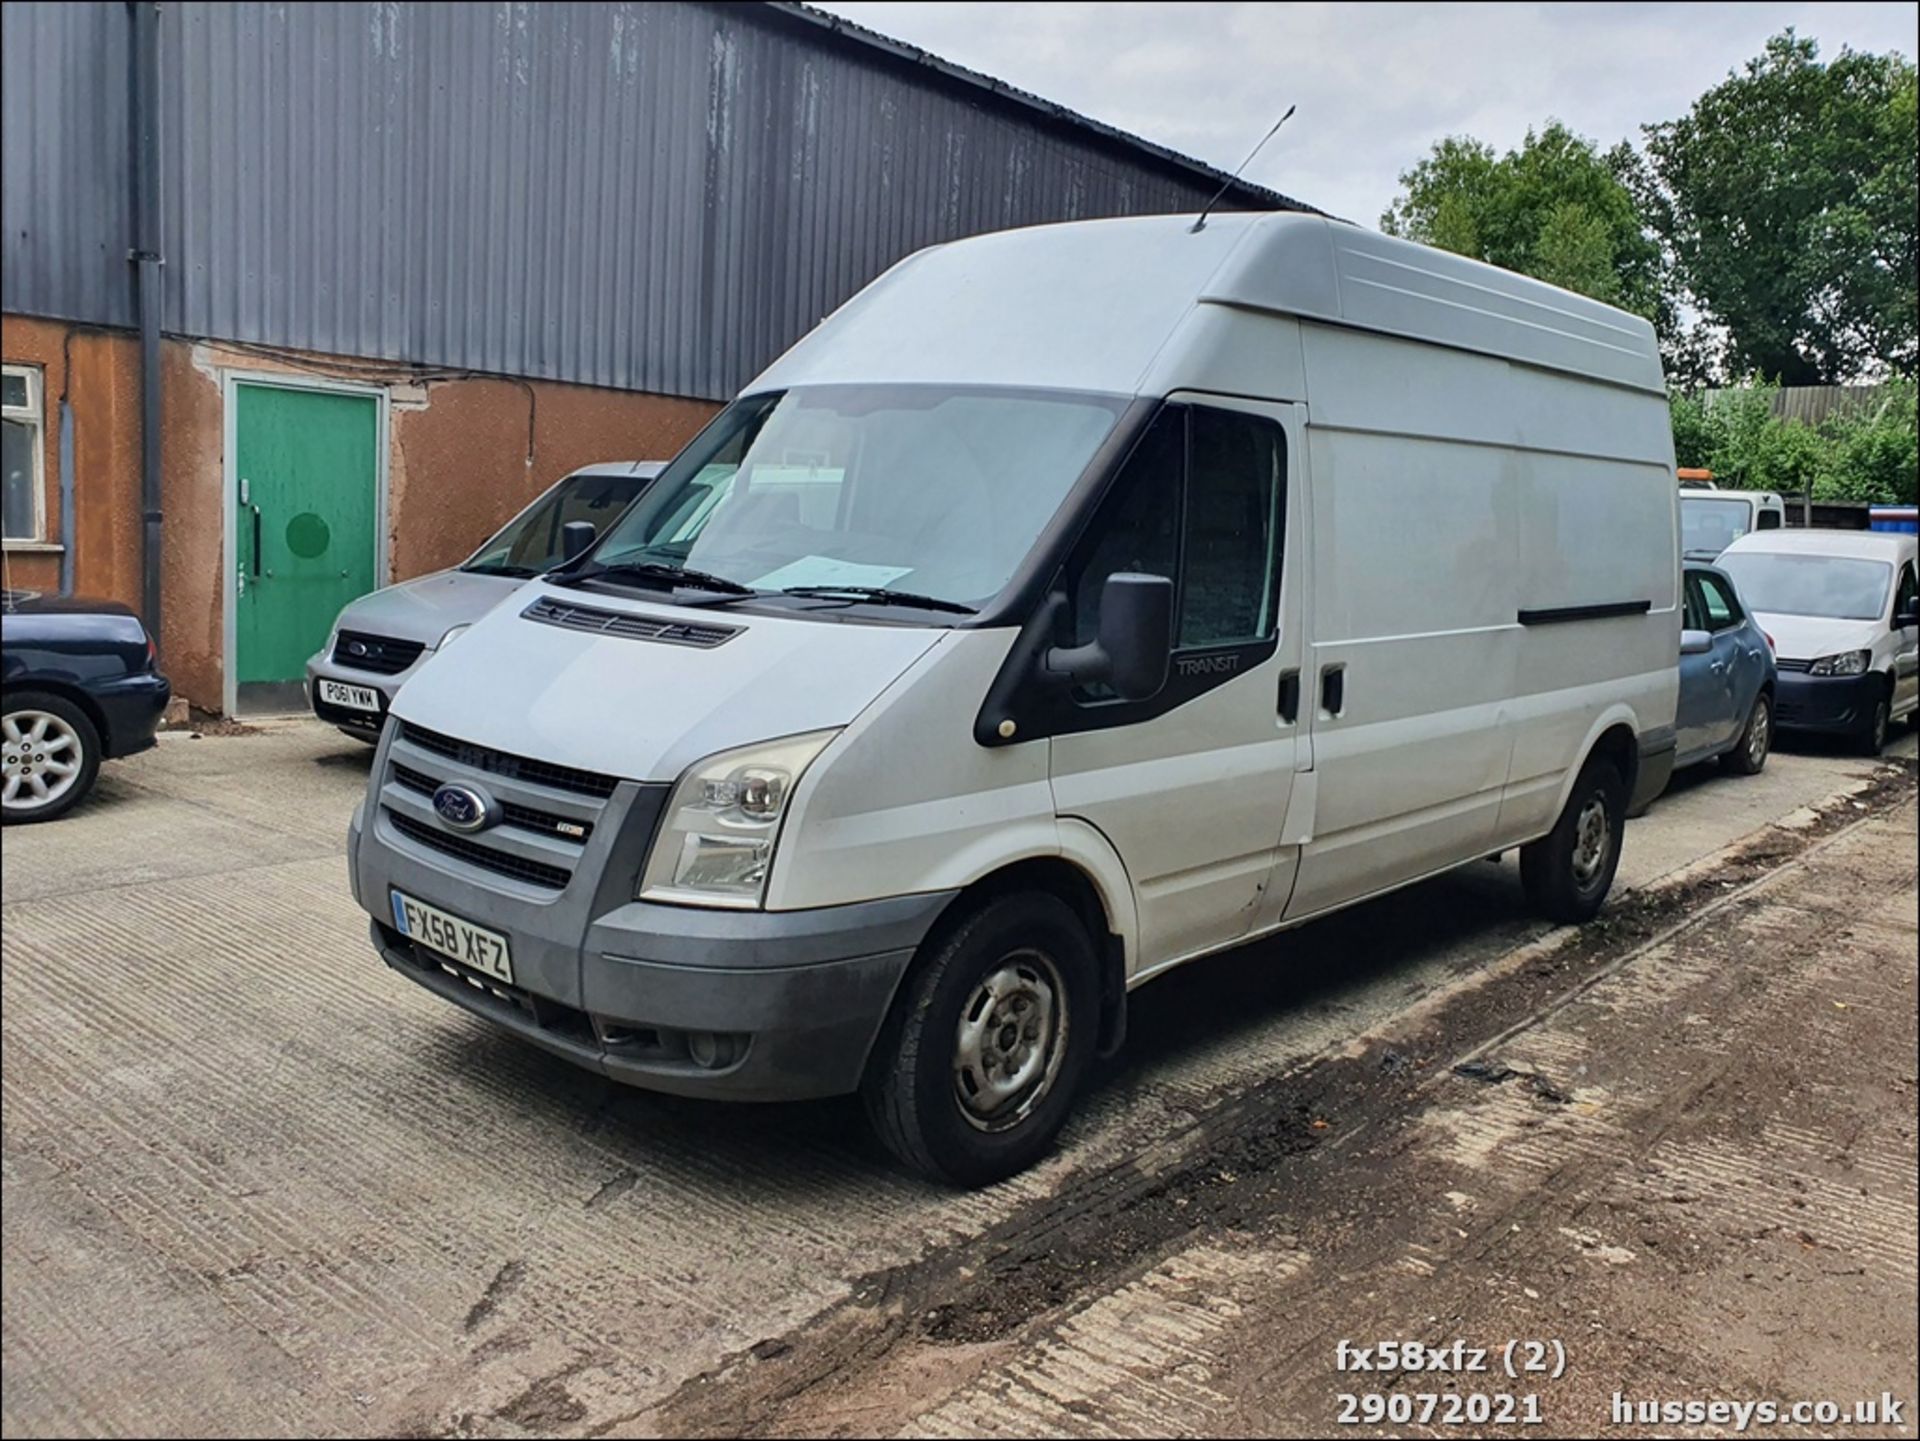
(68,541)
(145,256)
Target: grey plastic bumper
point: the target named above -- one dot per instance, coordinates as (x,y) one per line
(794,998)
(788,1003)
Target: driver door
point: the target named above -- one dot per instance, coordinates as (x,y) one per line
(1191,786)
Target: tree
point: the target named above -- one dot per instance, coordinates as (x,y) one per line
(1556,209)
(1786,201)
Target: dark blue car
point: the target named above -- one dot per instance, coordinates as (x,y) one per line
(77,686)
(1727,677)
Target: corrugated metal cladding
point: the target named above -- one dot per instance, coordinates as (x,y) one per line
(66,205)
(657,197)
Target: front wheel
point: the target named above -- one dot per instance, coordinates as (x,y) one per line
(1750,752)
(1871,738)
(49,755)
(975,1071)
(1568,871)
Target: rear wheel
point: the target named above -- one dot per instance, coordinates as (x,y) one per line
(1568,872)
(976,1068)
(1749,754)
(49,755)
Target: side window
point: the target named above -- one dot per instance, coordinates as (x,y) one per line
(1721,608)
(1769,520)
(1230,559)
(1201,500)
(1907,593)
(1694,614)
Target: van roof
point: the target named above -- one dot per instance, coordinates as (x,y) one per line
(1091,305)
(1852,544)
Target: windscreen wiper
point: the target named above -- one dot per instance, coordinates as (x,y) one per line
(880,595)
(653,570)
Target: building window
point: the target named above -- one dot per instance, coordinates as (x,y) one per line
(23,457)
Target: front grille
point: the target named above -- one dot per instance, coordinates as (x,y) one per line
(568,616)
(505,763)
(535,873)
(1793,665)
(381,654)
(527,818)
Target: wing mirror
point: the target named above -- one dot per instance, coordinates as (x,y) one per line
(1135,643)
(1695,642)
(576,536)
(1906,618)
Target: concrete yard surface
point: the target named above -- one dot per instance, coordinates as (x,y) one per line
(256,1183)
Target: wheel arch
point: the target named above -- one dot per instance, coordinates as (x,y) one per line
(1109,925)
(74,696)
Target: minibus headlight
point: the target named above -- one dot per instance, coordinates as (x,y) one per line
(715,842)
(1849,662)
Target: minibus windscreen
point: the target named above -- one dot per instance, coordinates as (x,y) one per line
(914,490)
(1824,585)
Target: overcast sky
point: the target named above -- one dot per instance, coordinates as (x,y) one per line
(1376,84)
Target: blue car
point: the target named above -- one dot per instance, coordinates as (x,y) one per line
(1727,679)
(78,686)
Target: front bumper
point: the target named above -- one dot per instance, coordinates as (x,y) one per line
(364,724)
(1832,703)
(132,708)
(736,1005)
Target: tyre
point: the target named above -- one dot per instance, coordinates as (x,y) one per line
(49,755)
(1568,872)
(1871,738)
(976,1068)
(1749,754)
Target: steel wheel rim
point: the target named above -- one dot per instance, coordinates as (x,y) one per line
(1009,1042)
(40,756)
(1759,734)
(1591,833)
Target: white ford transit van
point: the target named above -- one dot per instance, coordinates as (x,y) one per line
(1072,603)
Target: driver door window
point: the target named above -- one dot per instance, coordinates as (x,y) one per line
(1201,501)
(1721,610)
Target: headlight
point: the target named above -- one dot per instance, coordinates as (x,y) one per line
(1850,662)
(715,843)
(451,634)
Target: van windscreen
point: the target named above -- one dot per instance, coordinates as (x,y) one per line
(932,491)
(1709,526)
(1824,585)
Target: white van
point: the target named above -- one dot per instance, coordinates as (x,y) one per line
(1712,519)
(1843,608)
(1073,603)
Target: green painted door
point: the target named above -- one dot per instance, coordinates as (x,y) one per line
(306,494)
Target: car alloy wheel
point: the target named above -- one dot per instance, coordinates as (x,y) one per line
(41,757)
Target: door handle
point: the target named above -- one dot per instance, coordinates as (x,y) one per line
(1289,696)
(256,542)
(1719,667)
(1333,689)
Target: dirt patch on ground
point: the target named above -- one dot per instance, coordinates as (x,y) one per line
(1252,1173)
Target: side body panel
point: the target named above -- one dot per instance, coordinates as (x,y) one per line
(1455,496)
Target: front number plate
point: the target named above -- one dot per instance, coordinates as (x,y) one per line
(476,946)
(355,697)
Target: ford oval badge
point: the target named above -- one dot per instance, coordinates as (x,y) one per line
(465,809)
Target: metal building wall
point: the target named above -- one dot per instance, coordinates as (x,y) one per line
(66,201)
(650,196)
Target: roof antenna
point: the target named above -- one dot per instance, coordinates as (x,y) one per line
(1201,223)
